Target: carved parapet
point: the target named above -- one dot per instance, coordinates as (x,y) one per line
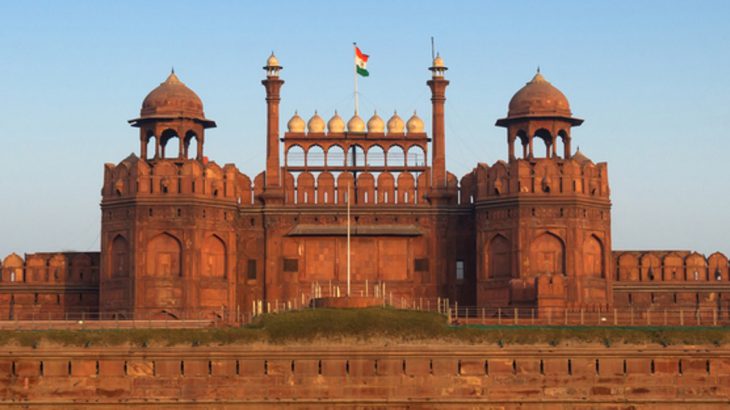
(134,177)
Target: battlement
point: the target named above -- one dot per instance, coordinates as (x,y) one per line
(670,266)
(540,176)
(51,268)
(138,178)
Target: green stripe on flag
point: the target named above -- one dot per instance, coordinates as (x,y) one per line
(363,72)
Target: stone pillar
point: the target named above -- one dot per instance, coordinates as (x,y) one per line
(438,162)
(273,84)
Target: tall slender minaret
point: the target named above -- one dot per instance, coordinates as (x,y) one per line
(438,85)
(273,84)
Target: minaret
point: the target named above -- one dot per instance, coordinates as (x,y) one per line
(438,85)
(273,84)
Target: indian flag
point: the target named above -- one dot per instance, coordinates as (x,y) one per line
(361,62)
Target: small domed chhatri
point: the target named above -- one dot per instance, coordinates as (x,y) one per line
(539,98)
(272,61)
(356,124)
(336,124)
(376,124)
(414,124)
(172,98)
(315,124)
(395,124)
(438,61)
(296,123)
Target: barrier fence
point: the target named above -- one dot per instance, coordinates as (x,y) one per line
(455,313)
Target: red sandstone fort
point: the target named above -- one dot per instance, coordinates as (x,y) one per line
(184,237)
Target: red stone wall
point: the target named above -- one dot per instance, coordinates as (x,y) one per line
(671,280)
(457,376)
(49,285)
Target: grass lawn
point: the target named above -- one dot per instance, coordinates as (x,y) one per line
(372,324)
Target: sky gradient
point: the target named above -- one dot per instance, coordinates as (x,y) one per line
(650,78)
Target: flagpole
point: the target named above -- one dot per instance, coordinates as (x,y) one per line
(354,72)
(348,238)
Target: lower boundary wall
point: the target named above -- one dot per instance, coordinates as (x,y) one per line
(367,376)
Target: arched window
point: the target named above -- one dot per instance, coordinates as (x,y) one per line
(396,156)
(376,156)
(214,258)
(499,259)
(547,255)
(315,156)
(191,146)
(521,144)
(295,156)
(547,138)
(416,157)
(120,257)
(164,256)
(150,148)
(355,156)
(593,257)
(335,156)
(170,144)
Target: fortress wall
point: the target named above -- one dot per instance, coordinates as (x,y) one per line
(671,280)
(515,377)
(48,285)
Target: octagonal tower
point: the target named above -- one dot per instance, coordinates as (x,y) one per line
(168,240)
(543,221)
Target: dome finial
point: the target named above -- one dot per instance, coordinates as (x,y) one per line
(538,69)
(172,70)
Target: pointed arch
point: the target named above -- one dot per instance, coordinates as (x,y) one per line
(717,264)
(13,268)
(193,146)
(674,267)
(696,266)
(593,257)
(547,255)
(164,256)
(119,257)
(294,156)
(315,156)
(335,156)
(651,269)
(376,156)
(547,137)
(628,268)
(498,264)
(396,156)
(356,156)
(173,150)
(214,257)
(416,156)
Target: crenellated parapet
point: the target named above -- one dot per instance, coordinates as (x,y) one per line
(670,267)
(137,178)
(51,268)
(541,177)
(49,285)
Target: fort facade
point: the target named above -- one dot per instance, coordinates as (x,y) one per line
(185,237)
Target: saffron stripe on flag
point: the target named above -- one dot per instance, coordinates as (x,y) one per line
(361,55)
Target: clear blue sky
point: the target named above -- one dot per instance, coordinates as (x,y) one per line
(651,78)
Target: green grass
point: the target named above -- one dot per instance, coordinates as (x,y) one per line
(372,324)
